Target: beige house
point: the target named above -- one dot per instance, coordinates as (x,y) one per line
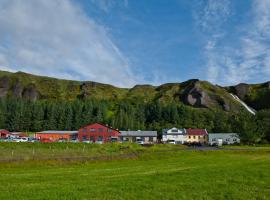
(197,136)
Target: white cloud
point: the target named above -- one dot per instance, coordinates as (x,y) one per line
(248,58)
(107,5)
(56,38)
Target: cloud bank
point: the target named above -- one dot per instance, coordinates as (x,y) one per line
(248,57)
(56,38)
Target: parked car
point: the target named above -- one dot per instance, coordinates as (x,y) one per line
(139,141)
(33,140)
(74,140)
(171,142)
(20,139)
(62,140)
(99,142)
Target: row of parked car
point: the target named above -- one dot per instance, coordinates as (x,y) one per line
(19,139)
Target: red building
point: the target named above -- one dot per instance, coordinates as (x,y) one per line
(98,133)
(4,133)
(56,135)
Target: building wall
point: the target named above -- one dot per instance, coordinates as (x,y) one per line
(178,138)
(226,138)
(147,139)
(4,133)
(197,139)
(53,137)
(97,132)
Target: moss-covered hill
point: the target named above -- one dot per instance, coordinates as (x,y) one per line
(196,93)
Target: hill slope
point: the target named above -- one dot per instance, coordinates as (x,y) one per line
(195,93)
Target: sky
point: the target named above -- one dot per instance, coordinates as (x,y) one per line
(129,42)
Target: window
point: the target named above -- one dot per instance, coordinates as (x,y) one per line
(84,130)
(214,139)
(234,139)
(92,130)
(150,139)
(100,130)
(92,138)
(227,139)
(194,137)
(189,137)
(100,138)
(109,130)
(84,137)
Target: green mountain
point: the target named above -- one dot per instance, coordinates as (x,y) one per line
(195,93)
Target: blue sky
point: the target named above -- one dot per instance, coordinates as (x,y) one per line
(128,42)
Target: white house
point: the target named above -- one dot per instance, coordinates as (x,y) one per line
(174,135)
(223,138)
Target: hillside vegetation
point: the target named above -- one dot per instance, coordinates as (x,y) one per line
(195,93)
(35,103)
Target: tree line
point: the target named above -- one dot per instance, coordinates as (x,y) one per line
(23,115)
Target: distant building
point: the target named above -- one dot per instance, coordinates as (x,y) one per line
(174,135)
(223,138)
(56,135)
(4,133)
(142,137)
(198,136)
(17,134)
(98,132)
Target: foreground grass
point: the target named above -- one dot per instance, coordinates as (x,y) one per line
(159,172)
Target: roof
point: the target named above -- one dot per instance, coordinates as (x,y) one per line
(223,134)
(196,131)
(101,125)
(139,133)
(57,132)
(173,131)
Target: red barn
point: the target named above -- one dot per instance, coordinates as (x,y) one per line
(98,133)
(56,135)
(4,133)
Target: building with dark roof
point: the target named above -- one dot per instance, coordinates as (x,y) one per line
(143,137)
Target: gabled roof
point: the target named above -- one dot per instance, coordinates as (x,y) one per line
(139,133)
(109,127)
(196,131)
(57,132)
(171,131)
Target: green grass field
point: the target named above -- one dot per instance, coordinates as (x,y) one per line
(123,171)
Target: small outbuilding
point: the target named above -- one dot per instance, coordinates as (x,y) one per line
(4,133)
(142,137)
(223,138)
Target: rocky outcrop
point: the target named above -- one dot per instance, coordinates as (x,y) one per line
(31,93)
(241,90)
(17,89)
(85,88)
(197,97)
(4,86)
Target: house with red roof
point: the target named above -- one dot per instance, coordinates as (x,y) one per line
(197,136)
(4,133)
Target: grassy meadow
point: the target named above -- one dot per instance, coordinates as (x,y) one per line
(129,171)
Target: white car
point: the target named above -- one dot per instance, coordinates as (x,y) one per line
(22,139)
(171,142)
(139,141)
